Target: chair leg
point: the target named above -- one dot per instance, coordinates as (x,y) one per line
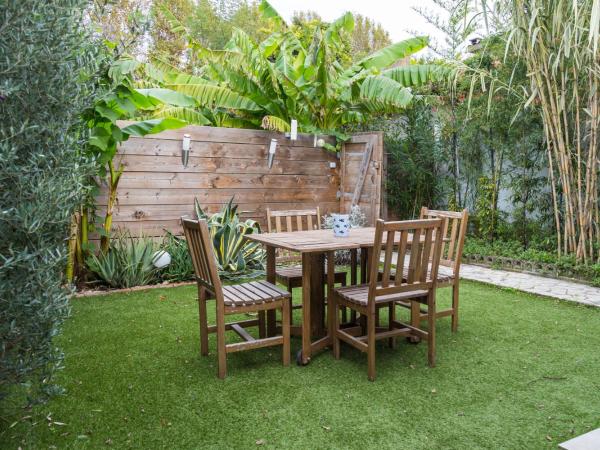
(290,289)
(335,326)
(455,291)
(362,321)
(203,321)
(221,354)
(285,330)
(415,319)
(262,325)
(431,329)
(391,318)
(344,309)
(371,345)
(415,313)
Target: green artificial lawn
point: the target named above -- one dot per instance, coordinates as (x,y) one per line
(522,372)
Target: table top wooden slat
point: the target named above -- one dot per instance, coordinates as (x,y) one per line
(320,240)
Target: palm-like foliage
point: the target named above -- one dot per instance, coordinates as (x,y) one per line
(269,83)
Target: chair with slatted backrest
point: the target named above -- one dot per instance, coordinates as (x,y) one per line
(392,239)
(290,221)
(455,231)
(253,297)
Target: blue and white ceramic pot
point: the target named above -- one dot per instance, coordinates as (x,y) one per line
(341,225)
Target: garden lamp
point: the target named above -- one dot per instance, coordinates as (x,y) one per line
(272,149)
(161,259)
(185,149)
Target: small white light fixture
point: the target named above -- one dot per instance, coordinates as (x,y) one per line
(294,130)
(185,149)
(332,165)
(161,259)
(272,149)
(320,142)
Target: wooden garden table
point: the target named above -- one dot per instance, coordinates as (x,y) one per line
(314,245)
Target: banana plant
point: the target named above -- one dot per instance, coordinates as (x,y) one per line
(267,84)
(120,102)
(235,254)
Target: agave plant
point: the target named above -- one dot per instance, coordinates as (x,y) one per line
(127,263)
(266,84)
(235,254)
(181,267)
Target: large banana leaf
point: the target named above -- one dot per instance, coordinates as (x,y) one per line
(268,12)
(334,32)
(168,96)
(213,96)
(394,52)
(152,126)
(275,124)
(188,115)
(378,90)
(418,74)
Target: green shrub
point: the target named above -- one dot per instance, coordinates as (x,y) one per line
(127,263)
(46,60)
(181,267)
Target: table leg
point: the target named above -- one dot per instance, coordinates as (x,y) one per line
(364,266)
(353,277)
(271,313)
(353,266)
(317,295)
(330,286)
(306,325)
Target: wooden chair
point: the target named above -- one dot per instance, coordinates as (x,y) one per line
(454,230)
(295,220)
(253,297)
(419,285)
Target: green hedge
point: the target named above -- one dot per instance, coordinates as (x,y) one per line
(46,60)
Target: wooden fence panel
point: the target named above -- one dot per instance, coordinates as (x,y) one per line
(361,177)
(155,189)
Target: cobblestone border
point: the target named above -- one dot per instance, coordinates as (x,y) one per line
(547,270)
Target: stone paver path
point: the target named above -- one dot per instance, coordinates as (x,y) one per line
(565,290)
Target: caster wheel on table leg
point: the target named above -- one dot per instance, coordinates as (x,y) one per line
(413,339)
(299,359)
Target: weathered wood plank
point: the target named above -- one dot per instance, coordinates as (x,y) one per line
(151,163)
(220,196)
(140,213)
(234,135)
(363,171)
(166,147)
(179,180)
